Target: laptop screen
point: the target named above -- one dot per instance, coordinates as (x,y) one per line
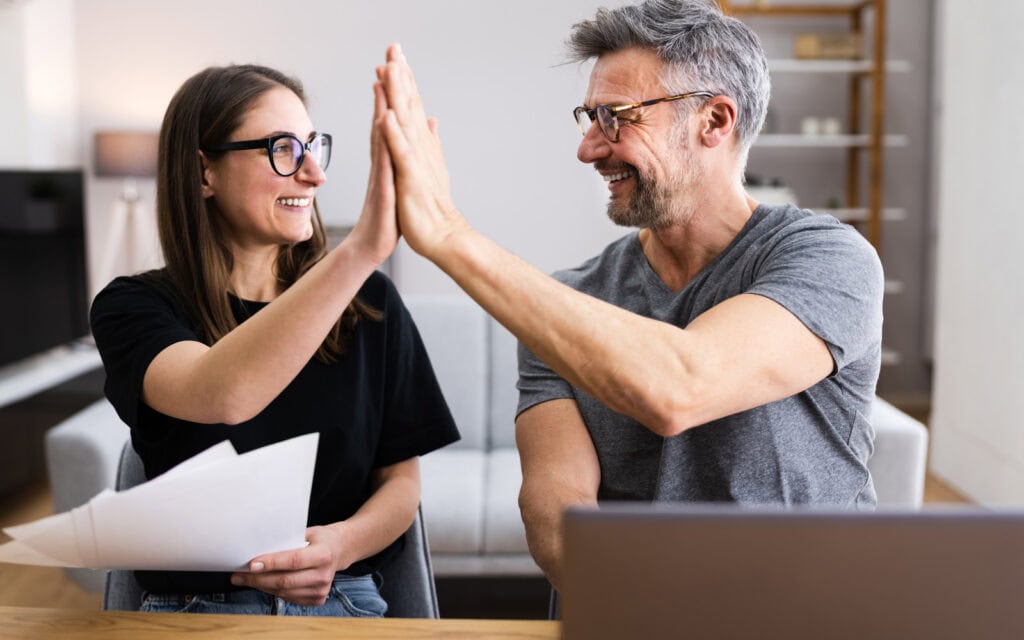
(677,571)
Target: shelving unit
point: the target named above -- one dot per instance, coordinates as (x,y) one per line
(864,142)
(865,133)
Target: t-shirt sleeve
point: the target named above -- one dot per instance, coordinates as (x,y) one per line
(416,417)
(831,279)
(132,322)
(538,382)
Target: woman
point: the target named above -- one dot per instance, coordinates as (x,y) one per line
(253,333)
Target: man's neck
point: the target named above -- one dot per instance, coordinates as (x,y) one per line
(679,252)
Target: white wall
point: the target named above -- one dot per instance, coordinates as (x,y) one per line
(489,71)
(977,431)
(39,99)
(12,79)
(51,89)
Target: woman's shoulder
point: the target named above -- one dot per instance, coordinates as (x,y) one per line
(149,285)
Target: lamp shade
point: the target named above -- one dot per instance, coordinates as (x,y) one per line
(125,154)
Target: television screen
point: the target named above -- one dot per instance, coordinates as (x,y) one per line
(42,262)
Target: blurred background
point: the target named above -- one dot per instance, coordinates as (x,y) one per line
(493,73)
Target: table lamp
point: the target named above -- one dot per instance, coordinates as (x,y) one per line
(128,155)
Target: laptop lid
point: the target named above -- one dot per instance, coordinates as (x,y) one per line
(677,571)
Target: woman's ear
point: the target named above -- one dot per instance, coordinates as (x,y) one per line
(719,122)
(207,191)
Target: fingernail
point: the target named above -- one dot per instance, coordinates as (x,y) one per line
(236,580)
(256,566)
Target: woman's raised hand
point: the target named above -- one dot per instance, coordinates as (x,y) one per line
(376,231)
(426,214)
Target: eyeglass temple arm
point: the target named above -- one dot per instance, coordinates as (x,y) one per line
(647,103)
(239,146)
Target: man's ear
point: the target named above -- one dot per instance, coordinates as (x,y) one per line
(719,121)
(207,190)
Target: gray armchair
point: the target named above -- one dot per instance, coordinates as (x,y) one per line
(408,585)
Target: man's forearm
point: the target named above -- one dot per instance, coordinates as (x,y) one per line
(614,355)
(543,523)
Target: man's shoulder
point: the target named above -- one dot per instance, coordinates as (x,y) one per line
(786,228)
(792,219)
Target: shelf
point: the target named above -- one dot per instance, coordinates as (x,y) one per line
(786,65)
(47,369)
(797,140)
(768,9)
(862,214)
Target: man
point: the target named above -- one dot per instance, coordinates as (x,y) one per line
(727,351)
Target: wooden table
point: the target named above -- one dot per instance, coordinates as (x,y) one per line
(17,623)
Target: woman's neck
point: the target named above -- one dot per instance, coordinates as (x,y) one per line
(254,275)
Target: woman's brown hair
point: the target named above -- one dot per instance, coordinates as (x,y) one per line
(204,112)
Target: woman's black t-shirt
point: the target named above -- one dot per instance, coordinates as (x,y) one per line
(379,404)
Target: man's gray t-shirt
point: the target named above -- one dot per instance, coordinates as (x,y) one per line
(812,447)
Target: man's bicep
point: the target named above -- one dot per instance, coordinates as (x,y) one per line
(555,447)
(749,351)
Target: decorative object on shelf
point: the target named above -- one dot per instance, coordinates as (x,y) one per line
(128,155)
(831,126)
(815,126)
(828,46)
(810,126)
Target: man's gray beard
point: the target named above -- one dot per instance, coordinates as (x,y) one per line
(647,207)
(654,206)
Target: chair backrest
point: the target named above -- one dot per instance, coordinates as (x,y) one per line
(122,592)
(408,580)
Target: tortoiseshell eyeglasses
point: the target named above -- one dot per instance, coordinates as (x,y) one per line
(607,116)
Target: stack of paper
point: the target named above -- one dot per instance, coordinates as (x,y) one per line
(213,512)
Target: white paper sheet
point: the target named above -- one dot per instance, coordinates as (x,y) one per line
(213,512)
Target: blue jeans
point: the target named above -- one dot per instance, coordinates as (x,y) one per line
(350,596)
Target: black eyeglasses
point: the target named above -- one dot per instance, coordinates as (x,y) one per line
(607,116)
(286,152)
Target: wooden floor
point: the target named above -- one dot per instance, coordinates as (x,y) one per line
(28,586)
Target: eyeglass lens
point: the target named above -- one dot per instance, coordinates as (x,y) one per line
(605,119)
(287,153)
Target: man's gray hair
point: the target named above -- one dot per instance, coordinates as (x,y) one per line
(703,50)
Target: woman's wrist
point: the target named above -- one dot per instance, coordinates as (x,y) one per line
(354,257)
(341,546)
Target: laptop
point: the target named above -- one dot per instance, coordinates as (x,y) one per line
(677,571)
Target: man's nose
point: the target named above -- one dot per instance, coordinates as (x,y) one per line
(594,145)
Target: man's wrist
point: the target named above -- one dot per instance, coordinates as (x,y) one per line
(456,245)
